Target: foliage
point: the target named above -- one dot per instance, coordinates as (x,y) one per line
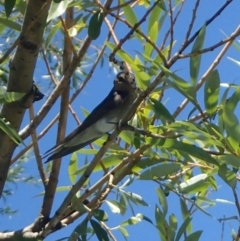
(183,149)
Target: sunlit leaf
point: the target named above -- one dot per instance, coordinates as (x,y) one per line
(135,198)
(72,168)
(130,15)
(113,205)
(194,184)
(57,9)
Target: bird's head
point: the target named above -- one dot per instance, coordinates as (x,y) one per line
(125,82)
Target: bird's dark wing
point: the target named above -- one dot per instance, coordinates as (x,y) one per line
(107,105)
(63,151)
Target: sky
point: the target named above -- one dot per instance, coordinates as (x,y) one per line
(26,198)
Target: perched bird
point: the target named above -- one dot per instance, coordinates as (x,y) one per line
(101,120)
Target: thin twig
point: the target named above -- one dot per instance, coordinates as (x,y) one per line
(171,28)
(211,48)
(211,68)
(36,151)
(191,23)
(188,42)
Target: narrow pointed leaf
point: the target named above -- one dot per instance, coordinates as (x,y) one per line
(10,23)
(185,148)
(9,5)
(162,200)
(100,215)
(130,15)
(52,33)
(100,232)
(195,60)
(158,171)
(72,168)
(194,236)
(194,184)
(211,93)
(181,85)
(160,110)
(183,228)
(57,9)
(228,176)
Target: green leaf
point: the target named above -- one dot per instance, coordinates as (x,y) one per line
(9,5)
(130,15)
(100,232)
(58,189)
(211,92)
(100,215)
(57,9)
(232,126)
(181,85)
(161,223)
(135,198)
(183,228)
(10,97)
(114,206)
(173,222)
(162,200)
(194,184)
(108,161)
(21,6)
(81,230)
(52,33)
(132,221)
(153,35)
(160,110)
(154,17)
(196,60)
(10,24)
(194,236)
(10,131)
(160,170)
(228,176)
(123,204)
(230,159)
(186,148)
(123,231)
(72,168)
(184,209)
(95,23)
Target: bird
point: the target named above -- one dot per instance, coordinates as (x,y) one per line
(101,120)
